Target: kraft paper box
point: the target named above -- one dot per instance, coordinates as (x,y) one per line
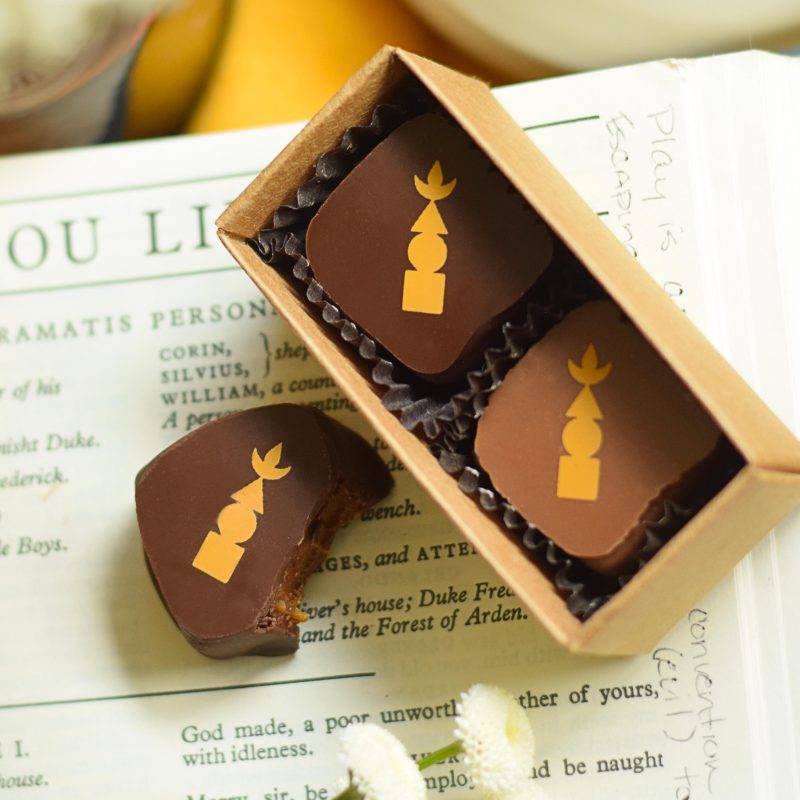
(710,544)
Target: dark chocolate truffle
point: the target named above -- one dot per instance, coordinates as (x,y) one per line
(237,514)
(425,245)
(590,433)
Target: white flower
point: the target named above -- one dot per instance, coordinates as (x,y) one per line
(496,737)
(379,766)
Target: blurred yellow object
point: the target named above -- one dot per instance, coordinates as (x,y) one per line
(172,67)
(282,59)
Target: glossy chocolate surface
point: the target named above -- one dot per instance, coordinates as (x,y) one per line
(425,245)
(237,514)
(590,432)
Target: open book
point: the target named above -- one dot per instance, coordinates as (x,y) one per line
(124,324)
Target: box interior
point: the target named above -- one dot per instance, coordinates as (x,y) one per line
(566,572)
(764,446)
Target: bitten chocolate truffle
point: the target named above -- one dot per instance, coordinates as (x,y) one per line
(236,515)
(590,433)
(425,246)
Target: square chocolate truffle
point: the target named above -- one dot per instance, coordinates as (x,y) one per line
(237,514)
(591,433)
(426,246)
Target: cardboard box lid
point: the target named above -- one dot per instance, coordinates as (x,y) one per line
(760,436)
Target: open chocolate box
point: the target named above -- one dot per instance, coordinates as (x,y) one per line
(516,377)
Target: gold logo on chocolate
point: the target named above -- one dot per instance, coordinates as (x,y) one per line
(582,437)
(423,286)
(220,553)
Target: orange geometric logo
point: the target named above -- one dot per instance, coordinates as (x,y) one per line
(423,286)
(582,437)
(221,551)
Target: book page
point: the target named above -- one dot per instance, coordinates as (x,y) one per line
(123,325)
(752,253)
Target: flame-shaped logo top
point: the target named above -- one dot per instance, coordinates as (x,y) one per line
(267,468)
(587,373)
(435,188)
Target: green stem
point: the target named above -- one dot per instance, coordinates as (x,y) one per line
(450,750)
(350,793)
